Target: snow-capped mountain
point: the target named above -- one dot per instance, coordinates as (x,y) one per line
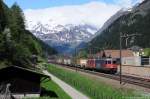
(68,25)
(61,35)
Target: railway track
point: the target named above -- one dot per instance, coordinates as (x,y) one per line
(125,78)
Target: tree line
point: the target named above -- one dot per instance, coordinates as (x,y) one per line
(18,45)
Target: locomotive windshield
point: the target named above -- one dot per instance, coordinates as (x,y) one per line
(109,62)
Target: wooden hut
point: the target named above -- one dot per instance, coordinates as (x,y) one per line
(19,82)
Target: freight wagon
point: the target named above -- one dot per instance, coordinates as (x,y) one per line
(60,61)
(67,61)
(82,63)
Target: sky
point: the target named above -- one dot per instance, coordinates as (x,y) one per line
(77,12)
(39,4)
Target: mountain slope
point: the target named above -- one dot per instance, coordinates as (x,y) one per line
(135,21)
(112,19)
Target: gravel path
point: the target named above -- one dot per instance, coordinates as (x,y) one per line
(67,88)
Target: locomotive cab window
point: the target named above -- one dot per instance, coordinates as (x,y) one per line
(109,62)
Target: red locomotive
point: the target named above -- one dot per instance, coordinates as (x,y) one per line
(104,64)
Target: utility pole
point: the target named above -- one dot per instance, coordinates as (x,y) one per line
(90,52)
(120,58)
(76,58)
(127,37)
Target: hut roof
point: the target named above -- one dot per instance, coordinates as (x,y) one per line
(31,70)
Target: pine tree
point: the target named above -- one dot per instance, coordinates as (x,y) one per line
(2,17)
(17,22)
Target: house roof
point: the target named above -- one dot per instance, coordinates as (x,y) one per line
(115,53)
(35,70)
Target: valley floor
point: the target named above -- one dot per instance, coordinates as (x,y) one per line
(96,87)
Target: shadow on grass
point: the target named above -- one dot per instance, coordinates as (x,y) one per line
(48,93)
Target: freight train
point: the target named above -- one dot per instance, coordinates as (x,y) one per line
(108,65)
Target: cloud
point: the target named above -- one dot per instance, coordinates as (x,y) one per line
(95,13)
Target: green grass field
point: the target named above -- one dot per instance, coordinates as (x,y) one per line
(92,88)
(53,90)
(51,86)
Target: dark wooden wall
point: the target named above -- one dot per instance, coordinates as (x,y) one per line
(21,81)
